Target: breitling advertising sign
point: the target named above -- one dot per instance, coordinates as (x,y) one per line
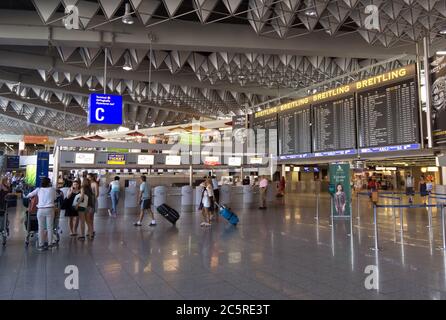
(379,80)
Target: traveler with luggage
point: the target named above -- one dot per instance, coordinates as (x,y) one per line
(409,187)
(70,209)
(423,189)
(84,203)
(114,189)
(206,202)
(145,197)
(46,195)
(263,185)
(94,184)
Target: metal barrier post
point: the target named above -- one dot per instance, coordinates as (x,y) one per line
(401,220)
(331,209)
(375,220)
(442,227)
(317,206)
(429,202)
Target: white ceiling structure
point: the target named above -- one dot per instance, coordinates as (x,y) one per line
(192,58)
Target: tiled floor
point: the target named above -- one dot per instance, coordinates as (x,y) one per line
(281,253)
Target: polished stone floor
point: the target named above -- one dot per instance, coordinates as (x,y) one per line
(280,253)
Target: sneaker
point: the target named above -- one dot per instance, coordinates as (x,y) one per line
(41,248)
(202,224)
(137,224)
(207,224)
(109,213)
(152,224)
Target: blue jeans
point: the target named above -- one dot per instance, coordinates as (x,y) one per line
(115,199)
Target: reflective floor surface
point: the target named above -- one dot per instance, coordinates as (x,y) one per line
(280,253)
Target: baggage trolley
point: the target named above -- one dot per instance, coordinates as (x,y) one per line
(4,225)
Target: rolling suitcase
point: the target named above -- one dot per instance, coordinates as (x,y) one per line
(229,215)
(169,213)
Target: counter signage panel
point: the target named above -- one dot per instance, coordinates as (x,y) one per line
(173,160)
(146,160)
(234,161)
(334,125)
(116,159)
(84,158)
(388,116)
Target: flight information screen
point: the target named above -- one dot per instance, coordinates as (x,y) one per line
(266,135)
(295,132)
(334,125)
(389,116)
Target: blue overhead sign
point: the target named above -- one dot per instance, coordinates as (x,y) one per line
(105,109)
(405,147)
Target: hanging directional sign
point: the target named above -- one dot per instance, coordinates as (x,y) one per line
(105,109)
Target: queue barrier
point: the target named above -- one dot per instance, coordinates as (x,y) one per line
(408,206)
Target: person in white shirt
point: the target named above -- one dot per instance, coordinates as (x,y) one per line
(206,202)
(45,212)
(263,185)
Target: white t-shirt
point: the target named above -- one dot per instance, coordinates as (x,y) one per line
(114,186)
(214,184)
(207,194)
(144,188)
(46,196)
(409,182)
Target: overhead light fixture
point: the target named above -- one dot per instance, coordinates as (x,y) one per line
(442,31)
(127,18)
(311,12)
(127,65)
(441,53)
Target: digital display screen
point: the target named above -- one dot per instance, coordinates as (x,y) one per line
(146,160)
(295,132)
(235,161)
(116,159)
(334,125)
(84,158)
(389,116)
(212,161)
(173,160)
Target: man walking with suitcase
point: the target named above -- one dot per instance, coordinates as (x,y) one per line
(144,197)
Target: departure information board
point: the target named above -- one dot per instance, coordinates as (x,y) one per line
(266,135)
(334,125)
(388,116)
(294,130)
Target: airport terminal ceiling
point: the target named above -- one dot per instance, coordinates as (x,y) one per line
(187,59)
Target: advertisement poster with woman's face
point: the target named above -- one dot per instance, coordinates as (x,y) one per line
(340,178)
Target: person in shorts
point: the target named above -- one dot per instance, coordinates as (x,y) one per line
(145,201)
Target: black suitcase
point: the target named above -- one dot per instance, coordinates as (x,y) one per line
(169,213)
(33,223)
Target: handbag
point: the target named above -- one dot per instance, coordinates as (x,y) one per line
(81,204)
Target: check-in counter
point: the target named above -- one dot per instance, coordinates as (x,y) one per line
(173,197)
(104,201)
(197,195)
(248,194)
(225,195)
(159,196)
(237,197)
(131,197)
(187,198)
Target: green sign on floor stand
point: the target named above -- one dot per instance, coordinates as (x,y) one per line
(340,189)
